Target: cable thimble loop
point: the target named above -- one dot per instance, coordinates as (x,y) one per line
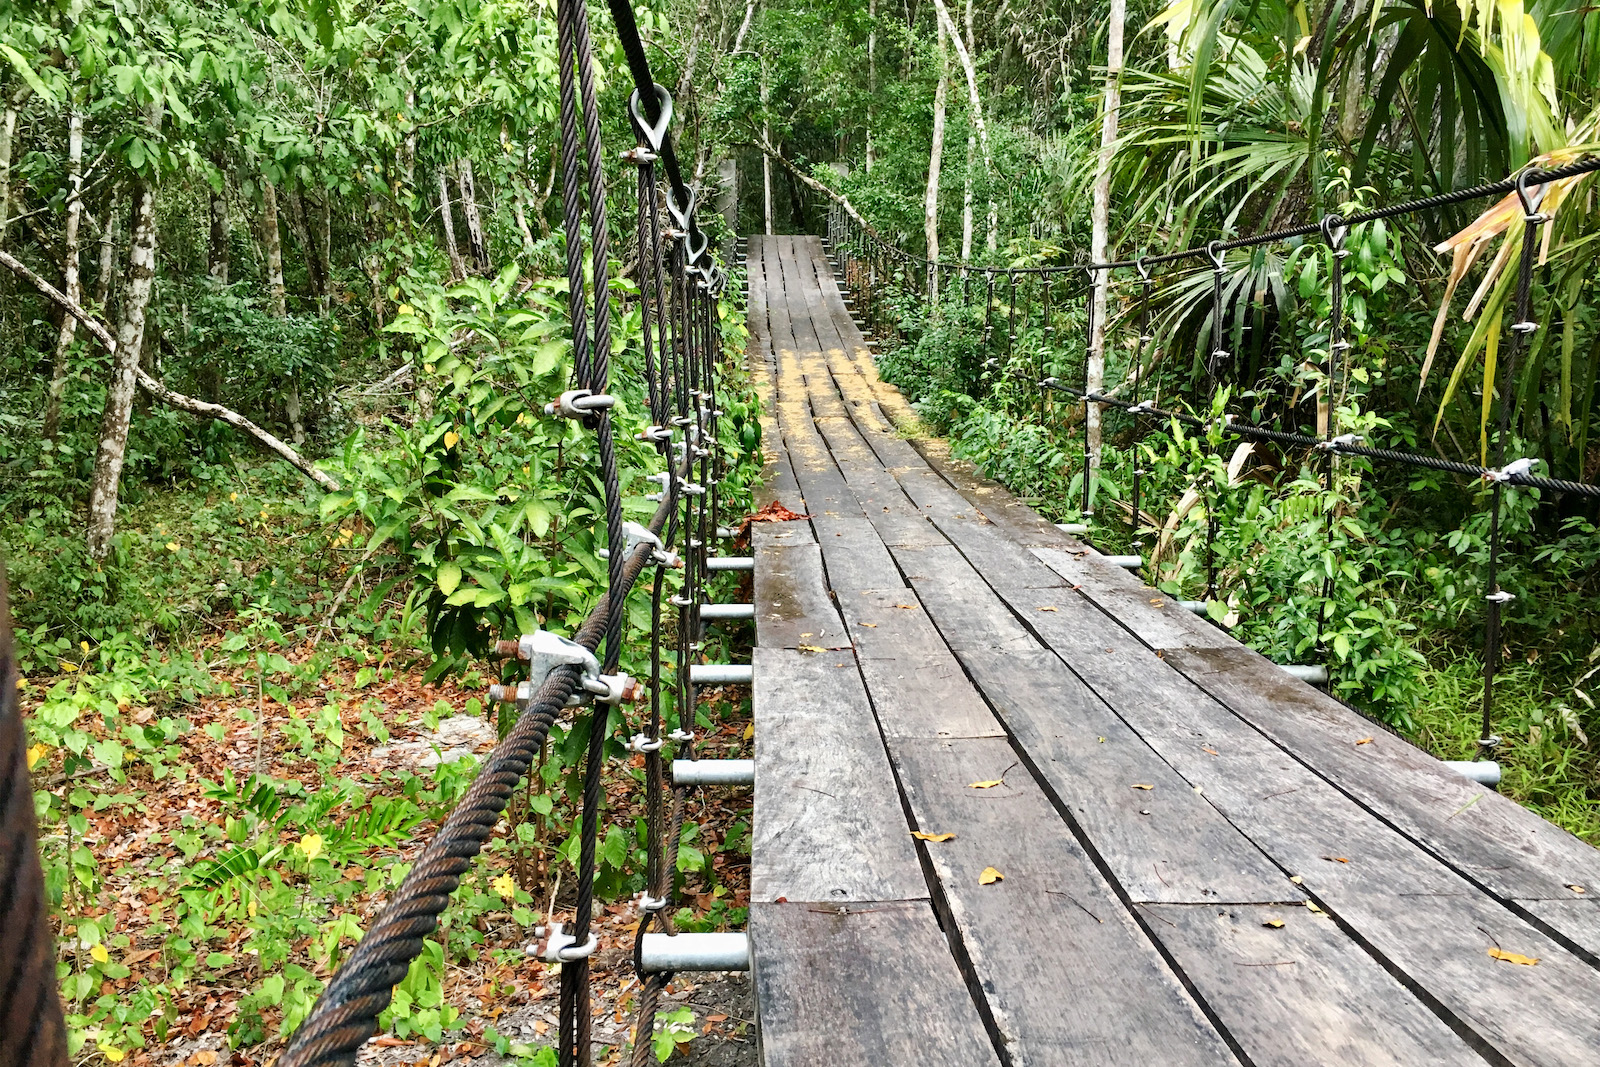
(1217,254)
(1334,231)
(654,135)
(1530,199)
(682,216)
(1142,265)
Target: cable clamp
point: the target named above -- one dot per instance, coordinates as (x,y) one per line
(635,535)
(682,420)
(1524,327)
(579,403)
(1340,346)
(717,413)
(556,946)
(649,905)
(642,744)
(678,600)
(1518,469)
(1489,743)
(1050,383)
(1219,353)
(681,736)
(544,652)
(655,433)
(695,542)
(639,156)
(1344,440)
(610,689)
(692,489)
(1500,596)
(1142,406)
(701,453)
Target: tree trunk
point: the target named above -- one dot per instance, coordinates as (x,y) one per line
(324,239)
(8,130)
(930,199)
(272,238)
(976,104)
(476,245)
(457,268)
(302,235)
(408,146)
(872,78)
(744,27)
(972,155)
(217,255)
(1100,238)
(71,285)
(766,160)
(108,259)
(107,476)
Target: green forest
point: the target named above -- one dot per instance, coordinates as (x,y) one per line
(285,293)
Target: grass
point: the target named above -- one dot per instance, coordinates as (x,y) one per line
(1546,758)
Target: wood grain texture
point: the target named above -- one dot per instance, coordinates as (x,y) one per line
(792,604)
(828,821)
(1068,975)
(869,985)
(1301,992)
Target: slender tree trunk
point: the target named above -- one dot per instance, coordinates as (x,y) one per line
(476,244)
(766,160)
(930,199)
(686,79)
(8,131)
(972,156)
(408,146)
(457,268)
(302,235)
(1100,237)
(324,252)
(217,264)
(872,77)
(744,27)
(975,102)
(71,285)
(272,238)
(107,477)
(108,258)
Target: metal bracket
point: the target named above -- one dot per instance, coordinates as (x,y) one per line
(579,404)
(681,736)
(556,946)
(649,905)
(655,433)
(641,744)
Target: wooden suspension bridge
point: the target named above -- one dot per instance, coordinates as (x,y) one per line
(1013,807)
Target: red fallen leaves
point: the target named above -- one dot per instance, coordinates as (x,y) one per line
(774,512)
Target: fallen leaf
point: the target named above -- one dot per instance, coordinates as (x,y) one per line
(1208,748)
(68,667)
(1276,924)
(1049,607)
(1296,879)
(1365,741)
(987,785)
(869,625)
(749,731)
(775,512)
(1102,740)
(41,750)
(1576,888)
(811,648)
(1311,906)
(1336,859)
(99,954)
(717,1018)
(920,836)
(990,876)
(1141,785)
(907,607)
(1513,957)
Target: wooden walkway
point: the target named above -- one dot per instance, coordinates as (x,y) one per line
(1204,861)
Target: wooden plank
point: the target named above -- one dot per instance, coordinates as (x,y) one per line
(1302,992)
(1163,843)
(792,604)
(1577,922)
(873,985)
(1068,975)
(1491,839)
(828,821)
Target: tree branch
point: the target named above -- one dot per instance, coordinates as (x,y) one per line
(759,142)
(156,389)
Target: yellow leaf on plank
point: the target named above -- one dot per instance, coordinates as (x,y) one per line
(987,785)
(1276,924)
(1365,741)
(920,836)
(1141,785)
(811,648)
(1049,607)
(990,876)
(1311,906)
(1513,957)
(870,625)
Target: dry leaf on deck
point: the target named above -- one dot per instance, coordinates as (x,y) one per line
(1276,924)
(1141,785)
(920,836)
(811,648)
(990,876)
(1513,957)
(987,785)
(1365,741)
